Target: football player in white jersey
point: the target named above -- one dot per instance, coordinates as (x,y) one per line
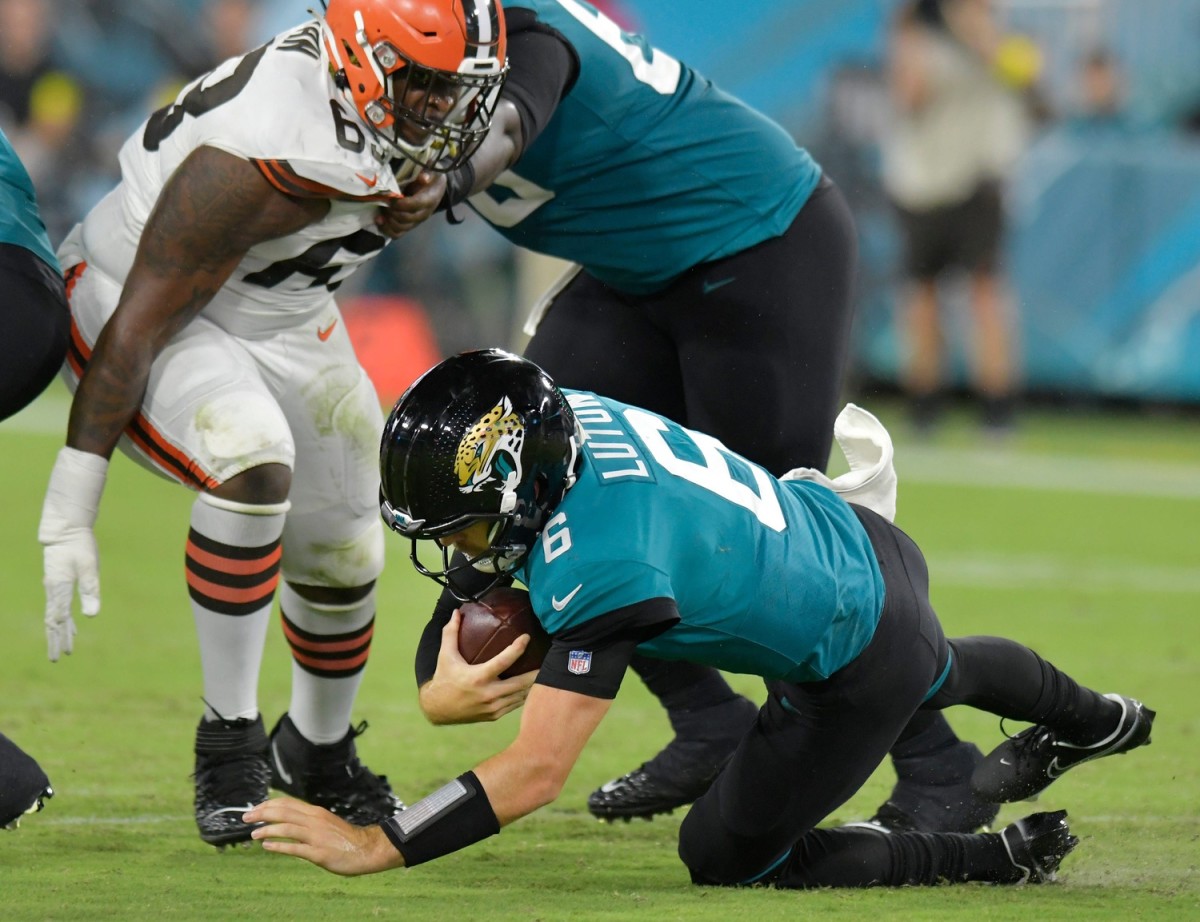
(207,344)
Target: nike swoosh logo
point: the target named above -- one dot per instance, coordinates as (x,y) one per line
(284,774)
(369,180)
(324,334)
(710,287)
(559,606)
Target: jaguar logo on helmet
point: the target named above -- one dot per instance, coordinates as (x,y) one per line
(490,451)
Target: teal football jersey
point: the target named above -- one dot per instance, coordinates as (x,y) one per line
(771,578)
(20,221)
(645,169)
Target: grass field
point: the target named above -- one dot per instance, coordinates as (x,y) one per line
(1078,536)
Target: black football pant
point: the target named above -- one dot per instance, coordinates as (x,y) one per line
(37,325)
(815,744)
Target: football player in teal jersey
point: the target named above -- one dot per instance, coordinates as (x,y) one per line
(37,323)
(635,534)
(711,249)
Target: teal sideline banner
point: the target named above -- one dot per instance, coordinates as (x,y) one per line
(1104,260)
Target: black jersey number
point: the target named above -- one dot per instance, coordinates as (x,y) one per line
(200,99)
(319,262)
(349,135)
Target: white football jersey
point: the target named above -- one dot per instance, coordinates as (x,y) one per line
(276,106)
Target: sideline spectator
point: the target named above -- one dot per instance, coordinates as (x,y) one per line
(961,123)
(1102,95)
(40,111)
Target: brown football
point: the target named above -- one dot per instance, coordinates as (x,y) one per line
(501,616)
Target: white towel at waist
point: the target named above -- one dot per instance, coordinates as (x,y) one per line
(871,480)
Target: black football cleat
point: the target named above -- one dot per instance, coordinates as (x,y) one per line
(1028,763)
(1037,844)
(231,777)
(23,784)
(683,770)
(330,775)
(643,794)
(933,794)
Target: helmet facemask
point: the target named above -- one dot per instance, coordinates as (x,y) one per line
(498,558)
(421,134)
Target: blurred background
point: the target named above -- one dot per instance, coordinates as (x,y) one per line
(1101,258)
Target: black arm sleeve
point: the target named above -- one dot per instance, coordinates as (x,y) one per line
(542,68)
(591,658)
(468,581)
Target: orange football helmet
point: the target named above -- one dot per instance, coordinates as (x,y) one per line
(423,74)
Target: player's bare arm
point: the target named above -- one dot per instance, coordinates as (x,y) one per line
(210,213)
(542,68)
(528,774)
(500,149)
(462,693)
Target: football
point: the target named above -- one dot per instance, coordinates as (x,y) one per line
(501,616)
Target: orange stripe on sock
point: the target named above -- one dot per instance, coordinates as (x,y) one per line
(335,646)
(330,665)
(230,565)
(262,591)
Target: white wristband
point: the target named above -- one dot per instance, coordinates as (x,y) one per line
(73,496)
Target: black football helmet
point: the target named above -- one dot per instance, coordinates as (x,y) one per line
(481,436)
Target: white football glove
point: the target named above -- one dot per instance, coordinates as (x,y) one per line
(69,558)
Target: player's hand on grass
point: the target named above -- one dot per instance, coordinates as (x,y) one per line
(461,693)
(420,200)
(69,557)
(292,827)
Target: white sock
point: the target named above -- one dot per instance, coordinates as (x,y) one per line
(232,570)
(329,647)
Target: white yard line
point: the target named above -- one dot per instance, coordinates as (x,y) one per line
(1001,467)
(1013,469)
(1012,572)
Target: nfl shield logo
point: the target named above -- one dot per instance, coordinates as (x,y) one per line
(579,662)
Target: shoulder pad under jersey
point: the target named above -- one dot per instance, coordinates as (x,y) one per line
(290,120)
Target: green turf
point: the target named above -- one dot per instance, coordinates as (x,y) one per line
(1078,536)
